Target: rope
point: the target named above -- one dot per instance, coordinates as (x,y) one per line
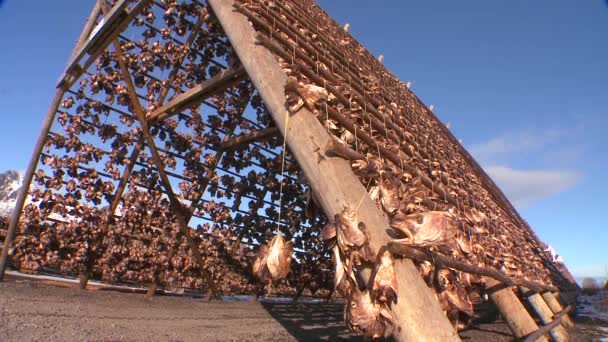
(282,172)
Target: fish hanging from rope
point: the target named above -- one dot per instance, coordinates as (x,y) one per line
(273,260)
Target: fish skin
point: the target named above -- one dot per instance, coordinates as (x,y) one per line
(385,283)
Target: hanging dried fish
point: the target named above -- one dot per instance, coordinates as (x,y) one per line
(385,283)
(454,298)
(424,229)
(299,94)
(273,261)
(349,234)
(362,316)
(389,196)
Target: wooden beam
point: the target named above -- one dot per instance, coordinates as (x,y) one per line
(46,127)
(417,312)
(245,139)
(192,35)
(212,86)
(161,98)
(175,204)
(207,178)
(99,38)
(546,328)
(122,184)
(511,309)
(416,254)
(84,278)
(558,333)
(556,307)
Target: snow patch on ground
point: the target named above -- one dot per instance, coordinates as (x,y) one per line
(593,306)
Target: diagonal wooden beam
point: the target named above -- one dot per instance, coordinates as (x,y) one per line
(246,139)
(113,23)
(122,184)
(84,278)
(417,312)
(542,310)
(215,85)
(46,126)
(556,307)
(444,261)
(557,320)
(176,206)
(203,16)
(511,309)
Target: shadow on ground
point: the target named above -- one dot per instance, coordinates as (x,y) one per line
(312,322)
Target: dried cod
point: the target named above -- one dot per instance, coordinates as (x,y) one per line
(349,234)
(425,229)
(273,261)
(385,283)
(299,94)
(363,316)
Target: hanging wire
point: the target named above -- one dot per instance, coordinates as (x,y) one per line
(282,171)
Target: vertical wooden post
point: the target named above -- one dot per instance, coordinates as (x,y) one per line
(511,309)
(556,307)
(417,312)
(545,314)
(46,127)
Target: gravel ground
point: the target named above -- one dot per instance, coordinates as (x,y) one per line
(36,311)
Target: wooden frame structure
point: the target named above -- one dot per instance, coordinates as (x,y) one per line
(257,47)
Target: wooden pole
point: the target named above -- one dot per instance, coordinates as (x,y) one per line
(84,277)
(545,329)
(46,127)
(545,314)
(556,307)
(511,309)
(443,261)
(86,274)
(246,139)
(176,206)
(417,312)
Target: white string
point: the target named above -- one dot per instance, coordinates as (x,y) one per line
(282,172)
(365,193)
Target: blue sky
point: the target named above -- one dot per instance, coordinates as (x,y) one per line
(523,84)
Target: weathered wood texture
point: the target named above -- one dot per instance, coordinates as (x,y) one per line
(214,85)
(546,328)
(556,307)
(511,309)
(443,261)
(545,314)
(46,126)
(417,312)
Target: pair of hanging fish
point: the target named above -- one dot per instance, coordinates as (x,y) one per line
(365,312)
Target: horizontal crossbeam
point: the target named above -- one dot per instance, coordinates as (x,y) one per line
(106,30)
(212,86)
(546,328)
(246,139)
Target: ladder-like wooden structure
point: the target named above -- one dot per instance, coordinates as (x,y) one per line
(261,44)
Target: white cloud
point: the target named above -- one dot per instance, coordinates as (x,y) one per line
(524,187)
(520,142)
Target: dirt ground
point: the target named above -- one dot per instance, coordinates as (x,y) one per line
(35,311)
